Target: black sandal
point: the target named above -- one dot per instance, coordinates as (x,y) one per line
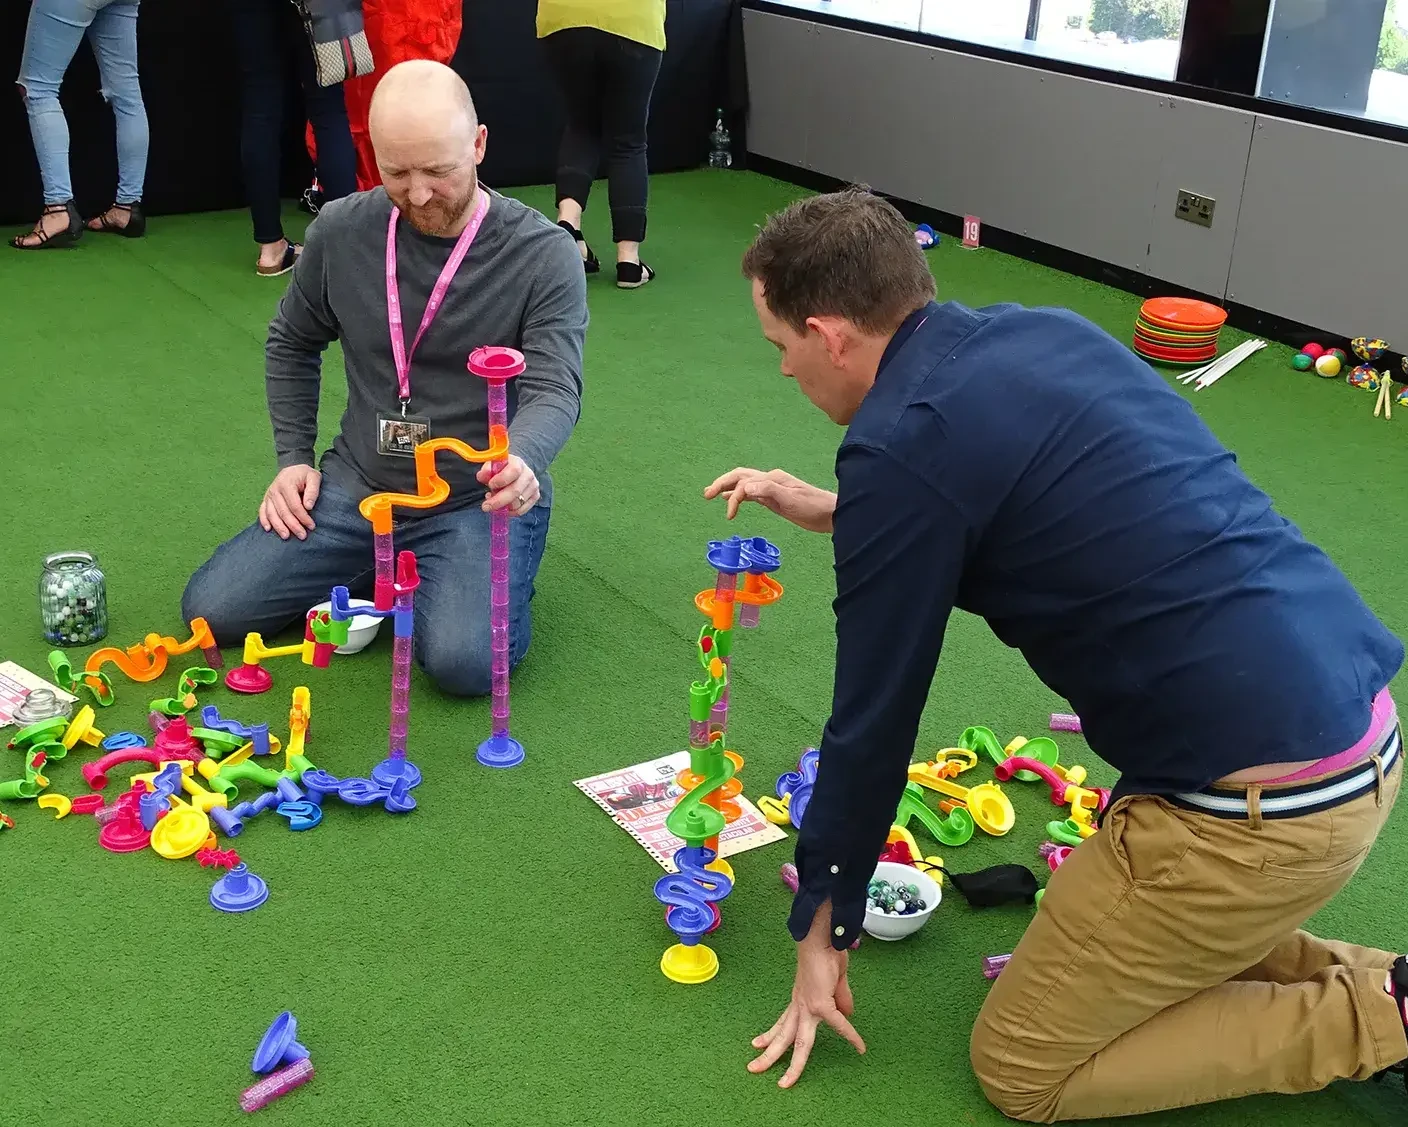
(60,240)
(136,225)
(591,263)
(633,275)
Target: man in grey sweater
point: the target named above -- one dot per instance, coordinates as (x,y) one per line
(520,283)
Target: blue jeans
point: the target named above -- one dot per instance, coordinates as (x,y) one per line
(55,29)
(259,582)
(268,39)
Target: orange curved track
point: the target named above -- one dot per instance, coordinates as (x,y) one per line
(431,488)
(146,660)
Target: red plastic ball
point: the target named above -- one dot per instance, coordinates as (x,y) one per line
(1313,350)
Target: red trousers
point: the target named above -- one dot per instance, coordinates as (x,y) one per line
(397,30)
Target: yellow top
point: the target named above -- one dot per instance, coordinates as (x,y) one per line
(640,20)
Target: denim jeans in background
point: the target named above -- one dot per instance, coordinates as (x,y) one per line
(259,582)
(266,34)
(52,38)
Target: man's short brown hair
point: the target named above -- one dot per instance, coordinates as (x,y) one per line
(848,254)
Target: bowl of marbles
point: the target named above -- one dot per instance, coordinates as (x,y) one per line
(899,900)
(361,630)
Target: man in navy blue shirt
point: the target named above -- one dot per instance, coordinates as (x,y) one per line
(1024,466)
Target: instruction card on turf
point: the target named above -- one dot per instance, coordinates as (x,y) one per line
(639,799)
(16,683)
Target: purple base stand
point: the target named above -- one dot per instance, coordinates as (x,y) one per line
(239,890)
(279,1046)
(500,751)
(390,771)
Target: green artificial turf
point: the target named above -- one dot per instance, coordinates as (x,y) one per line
(492,958)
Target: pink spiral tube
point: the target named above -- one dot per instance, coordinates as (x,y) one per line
(401,683)
(276,1084)
(497,366)
(498,580)
(384,594)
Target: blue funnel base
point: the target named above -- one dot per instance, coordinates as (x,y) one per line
(390,771)
(500,751)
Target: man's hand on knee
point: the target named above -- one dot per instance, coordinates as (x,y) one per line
(288,502)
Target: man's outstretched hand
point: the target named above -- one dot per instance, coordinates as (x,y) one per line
(820,995)
(789,497)
(288,503)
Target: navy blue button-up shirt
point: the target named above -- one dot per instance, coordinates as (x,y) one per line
(1024,466)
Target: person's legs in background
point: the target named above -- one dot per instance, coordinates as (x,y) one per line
(572,55)
(262,53)
(452,637)
(327,113)
(113,35)
(628,74)
(54,31)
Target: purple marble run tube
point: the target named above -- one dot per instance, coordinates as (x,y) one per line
(1065,722)
(993,964)
(497,366)
(276,1084)
(748,615)
(699,734)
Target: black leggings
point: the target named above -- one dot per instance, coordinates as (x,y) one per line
(266,34)
(606,84)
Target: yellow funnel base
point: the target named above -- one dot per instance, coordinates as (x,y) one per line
(689,965)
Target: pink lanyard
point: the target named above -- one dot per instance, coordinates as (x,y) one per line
(437,295)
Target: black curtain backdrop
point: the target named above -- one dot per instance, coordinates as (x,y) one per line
(189,85)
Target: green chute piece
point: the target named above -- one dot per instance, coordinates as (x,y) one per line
(956,829)
(72,682)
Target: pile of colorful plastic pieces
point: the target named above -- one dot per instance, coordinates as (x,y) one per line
(185,785)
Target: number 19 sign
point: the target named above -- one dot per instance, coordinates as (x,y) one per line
(972,228)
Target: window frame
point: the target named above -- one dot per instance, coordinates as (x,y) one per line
(1211,67)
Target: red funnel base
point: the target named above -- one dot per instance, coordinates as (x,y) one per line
(249,679)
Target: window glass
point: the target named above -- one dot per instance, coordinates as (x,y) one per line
(998,23)
(889,13)
(1134,36)
(1342,57)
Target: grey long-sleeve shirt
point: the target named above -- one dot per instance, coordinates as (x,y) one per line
(521,286)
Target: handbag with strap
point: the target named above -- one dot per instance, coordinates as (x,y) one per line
(338,38)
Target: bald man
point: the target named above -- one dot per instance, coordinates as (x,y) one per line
(505,275)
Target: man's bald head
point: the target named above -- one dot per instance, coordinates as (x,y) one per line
(421,94)
(428,144)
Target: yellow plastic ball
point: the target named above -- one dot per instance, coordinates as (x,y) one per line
(1328,365)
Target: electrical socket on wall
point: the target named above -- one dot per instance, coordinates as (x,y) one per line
(1195,208)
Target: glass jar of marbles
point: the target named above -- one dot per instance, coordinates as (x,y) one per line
(73,599)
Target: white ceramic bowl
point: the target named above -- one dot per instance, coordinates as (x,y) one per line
(887,927)
(362,628)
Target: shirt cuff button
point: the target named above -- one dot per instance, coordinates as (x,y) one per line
(835,869)
(840,931)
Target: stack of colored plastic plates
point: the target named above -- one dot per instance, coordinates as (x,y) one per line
(1178,331)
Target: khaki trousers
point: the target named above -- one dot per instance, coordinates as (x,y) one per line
(1164,967)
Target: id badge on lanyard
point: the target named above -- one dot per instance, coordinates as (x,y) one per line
(398,434)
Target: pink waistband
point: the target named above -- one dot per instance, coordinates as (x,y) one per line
(1383,715)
